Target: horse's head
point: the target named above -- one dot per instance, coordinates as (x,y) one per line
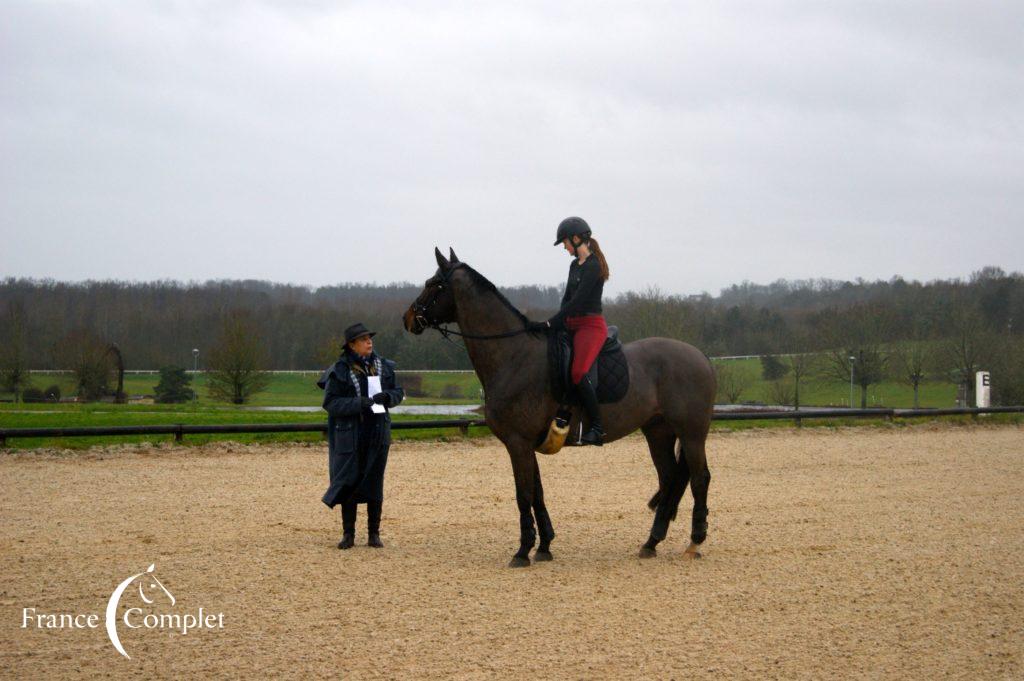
(150,587)
(435,303)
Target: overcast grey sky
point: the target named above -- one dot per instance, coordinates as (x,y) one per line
(320,142)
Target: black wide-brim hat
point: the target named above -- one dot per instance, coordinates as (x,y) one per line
(357,330)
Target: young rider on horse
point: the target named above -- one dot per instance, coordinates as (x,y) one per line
(581,313)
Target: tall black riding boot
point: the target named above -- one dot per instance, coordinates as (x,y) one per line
(373,512)
(348,525)
(588,398)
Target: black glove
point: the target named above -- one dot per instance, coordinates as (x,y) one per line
(365,402)
(382,398)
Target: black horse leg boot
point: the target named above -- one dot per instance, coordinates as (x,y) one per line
(588,398)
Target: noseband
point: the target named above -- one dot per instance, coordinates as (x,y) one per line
(420,314)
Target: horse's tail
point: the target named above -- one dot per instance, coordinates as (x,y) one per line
(656,499)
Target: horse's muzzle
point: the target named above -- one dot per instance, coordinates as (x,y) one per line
(412,322)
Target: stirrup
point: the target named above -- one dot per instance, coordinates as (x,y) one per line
(594,436)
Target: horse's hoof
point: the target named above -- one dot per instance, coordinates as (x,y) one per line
(518,562)
(647,552)
(543,556)
(691,552)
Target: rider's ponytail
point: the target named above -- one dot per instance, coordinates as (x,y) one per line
(595,248)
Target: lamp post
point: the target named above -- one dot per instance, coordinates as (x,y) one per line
(852,360)
(195,371)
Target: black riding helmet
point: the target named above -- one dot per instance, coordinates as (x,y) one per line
(571,227)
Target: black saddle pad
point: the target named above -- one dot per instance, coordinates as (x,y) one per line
(609,373)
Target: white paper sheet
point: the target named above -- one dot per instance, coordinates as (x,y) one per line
(372,388)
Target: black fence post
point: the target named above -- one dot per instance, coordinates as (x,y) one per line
(178,435)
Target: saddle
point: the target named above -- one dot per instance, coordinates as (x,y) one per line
(609,373)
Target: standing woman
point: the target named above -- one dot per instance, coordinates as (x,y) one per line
(581,313)
(358,438)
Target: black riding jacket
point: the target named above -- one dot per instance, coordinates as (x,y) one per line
(357,439)
(582,292)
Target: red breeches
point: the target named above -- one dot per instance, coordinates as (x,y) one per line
(589,333)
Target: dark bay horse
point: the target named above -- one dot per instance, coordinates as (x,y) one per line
(670,398)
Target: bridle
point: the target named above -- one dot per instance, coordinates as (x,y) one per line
(420,311)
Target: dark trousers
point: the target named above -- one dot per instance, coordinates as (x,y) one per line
(349,512)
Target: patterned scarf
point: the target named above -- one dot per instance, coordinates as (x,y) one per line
(370,367)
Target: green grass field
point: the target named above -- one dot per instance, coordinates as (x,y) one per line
(285,390)
(292,390)
(818,393)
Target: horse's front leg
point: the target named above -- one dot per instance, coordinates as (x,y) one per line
(547,531)
(524,467)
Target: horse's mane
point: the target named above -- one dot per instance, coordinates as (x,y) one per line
(482,282)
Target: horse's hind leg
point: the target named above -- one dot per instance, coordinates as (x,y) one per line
(540,511)
(700,479)
(661,440)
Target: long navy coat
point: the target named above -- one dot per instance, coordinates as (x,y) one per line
(358,441)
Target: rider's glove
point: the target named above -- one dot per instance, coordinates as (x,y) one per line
(537,328)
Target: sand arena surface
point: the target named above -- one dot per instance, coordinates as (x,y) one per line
(855,553)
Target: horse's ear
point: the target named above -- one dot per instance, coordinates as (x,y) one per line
(441,262)
(451,255)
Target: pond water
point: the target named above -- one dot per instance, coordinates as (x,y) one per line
(445,409)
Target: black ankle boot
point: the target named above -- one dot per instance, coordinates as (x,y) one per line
(347,541)
(373,513)
(588,398)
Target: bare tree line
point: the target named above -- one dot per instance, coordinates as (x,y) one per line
(861,351)
(947,328)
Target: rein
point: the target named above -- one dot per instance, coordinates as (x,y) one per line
(421,309)
(445,331)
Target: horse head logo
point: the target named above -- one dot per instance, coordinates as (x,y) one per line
(150,589)
(149,584)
